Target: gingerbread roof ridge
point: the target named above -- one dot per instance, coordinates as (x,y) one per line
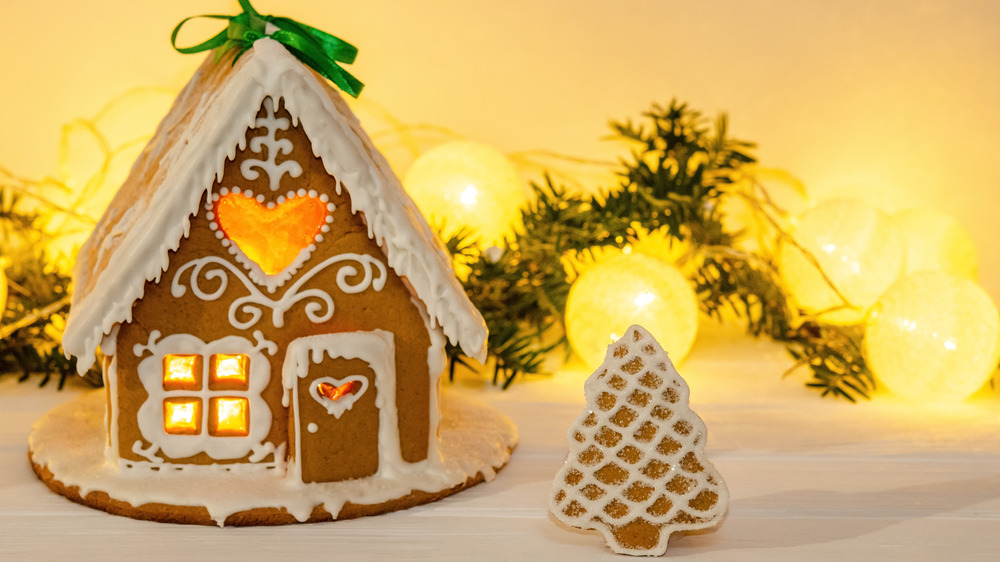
(147,219)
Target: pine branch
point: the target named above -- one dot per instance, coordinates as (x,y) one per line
(674,179)
(748,286)
(37,302)
(835,356)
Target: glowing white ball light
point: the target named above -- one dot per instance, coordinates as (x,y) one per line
(464,183)
(631,289)
(936,242)
(933,337)
(858,248)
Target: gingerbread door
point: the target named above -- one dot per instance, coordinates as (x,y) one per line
(343,404)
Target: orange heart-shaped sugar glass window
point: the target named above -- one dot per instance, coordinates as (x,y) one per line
(337,392)
(271,237)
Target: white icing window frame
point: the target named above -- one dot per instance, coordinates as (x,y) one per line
(150,413)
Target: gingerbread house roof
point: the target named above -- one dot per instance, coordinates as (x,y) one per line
(150,214)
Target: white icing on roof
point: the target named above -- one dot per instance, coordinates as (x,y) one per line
(151,212)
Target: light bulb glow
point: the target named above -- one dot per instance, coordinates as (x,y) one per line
(469,196)
(468,184)
(631,289)
(858,248)
(933,337)
(937,242)
(644,298)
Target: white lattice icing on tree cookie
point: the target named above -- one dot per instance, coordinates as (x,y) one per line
(636,469)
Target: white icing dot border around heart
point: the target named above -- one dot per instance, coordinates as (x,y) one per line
(257,275)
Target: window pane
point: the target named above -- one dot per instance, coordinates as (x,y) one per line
(228,416)
(181,372)
(228,372)
(182,416)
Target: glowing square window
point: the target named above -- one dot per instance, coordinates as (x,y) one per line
(228,372)
(228,416)
(181,372)
(182,416)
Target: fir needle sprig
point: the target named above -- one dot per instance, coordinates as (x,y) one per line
(38,297)
(674,181)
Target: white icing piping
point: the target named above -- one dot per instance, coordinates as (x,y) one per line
(149,417)
(271,282)
(275,147)
(190,167)
(109,343)
(336,408)
(437,360)
(377,348)
(111,452)
(637,346)
(320,310)
(68,440)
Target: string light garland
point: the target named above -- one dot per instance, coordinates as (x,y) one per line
(858,249)
(679,171)
(669,202)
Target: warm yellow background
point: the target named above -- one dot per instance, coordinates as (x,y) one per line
(895,99)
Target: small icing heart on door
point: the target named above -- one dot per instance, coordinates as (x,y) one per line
(338,395)
(271,237)
(337,392)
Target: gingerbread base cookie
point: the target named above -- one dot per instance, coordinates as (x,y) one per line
(636,469)
(67,451)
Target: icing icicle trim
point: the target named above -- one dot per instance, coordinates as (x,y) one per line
(106,288)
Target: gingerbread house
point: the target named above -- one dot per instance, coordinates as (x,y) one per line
(265,295)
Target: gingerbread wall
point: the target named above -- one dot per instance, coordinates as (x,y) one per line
(390,309)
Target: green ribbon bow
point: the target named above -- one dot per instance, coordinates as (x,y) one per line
(316,48)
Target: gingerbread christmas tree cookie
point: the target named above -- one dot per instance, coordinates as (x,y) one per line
(636,469)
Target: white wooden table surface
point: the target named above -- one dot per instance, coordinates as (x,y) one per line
(810,479)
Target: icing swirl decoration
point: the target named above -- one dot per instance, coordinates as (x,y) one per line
(246,311)
(271,241)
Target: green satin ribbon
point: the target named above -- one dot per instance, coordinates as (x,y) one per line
(316,48)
